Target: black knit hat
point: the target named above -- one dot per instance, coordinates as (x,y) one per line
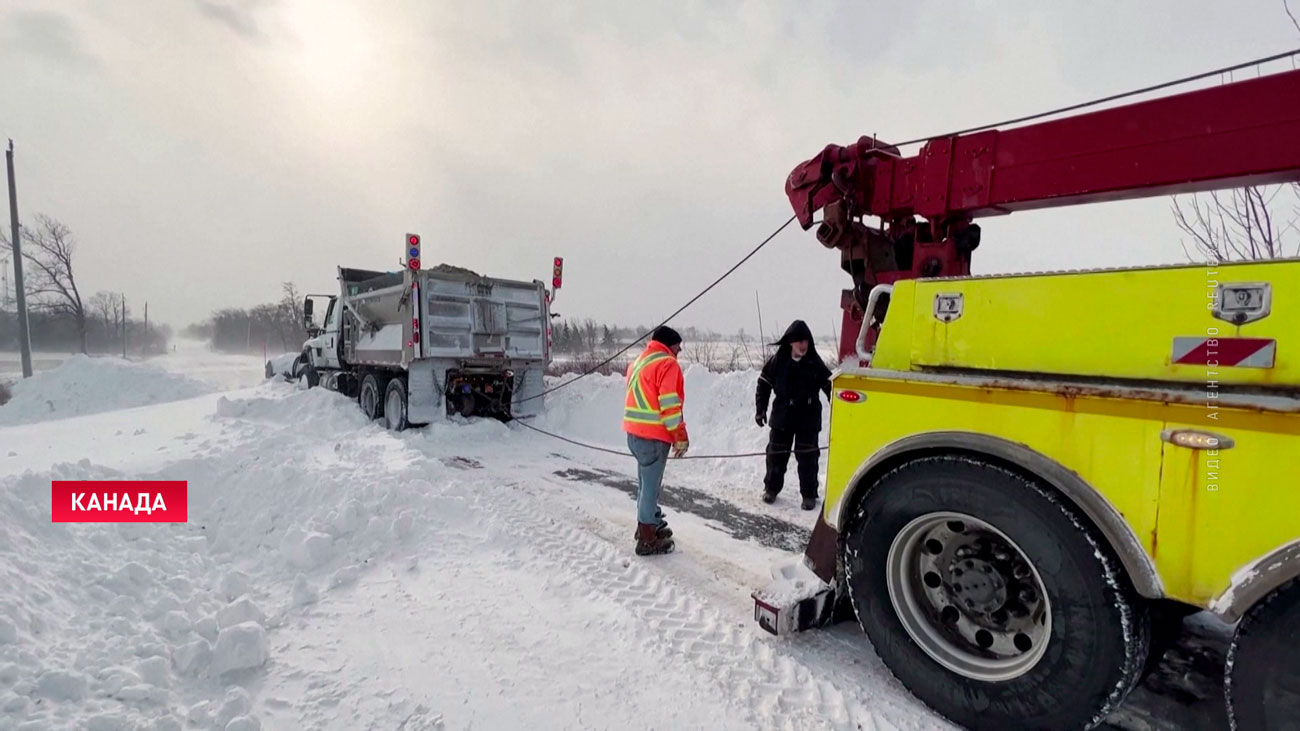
(666,335)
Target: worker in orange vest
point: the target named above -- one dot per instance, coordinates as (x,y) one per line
(652,418)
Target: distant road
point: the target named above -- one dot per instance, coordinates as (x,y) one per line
(11,363)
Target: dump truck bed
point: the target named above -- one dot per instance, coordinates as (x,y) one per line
(461,315)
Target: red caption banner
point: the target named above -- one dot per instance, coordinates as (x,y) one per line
(119,501)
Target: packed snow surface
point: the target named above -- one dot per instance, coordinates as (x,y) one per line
(334,575)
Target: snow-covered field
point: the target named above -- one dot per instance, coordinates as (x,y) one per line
(336,576)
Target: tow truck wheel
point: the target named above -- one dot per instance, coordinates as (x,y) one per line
(1262,679)
(395,405)
(371,398)
(992,600)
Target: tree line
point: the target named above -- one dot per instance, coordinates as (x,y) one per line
(584,336)
(60,317)
(276,326)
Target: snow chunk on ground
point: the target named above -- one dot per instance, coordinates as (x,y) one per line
(62,685)
(234,585)
(241,647)
(244,723)
(192,659)
(236,704)
(84,385)
(307,551)
(303,592)
(239,612)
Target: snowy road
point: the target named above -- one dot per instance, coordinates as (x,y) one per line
(336,576)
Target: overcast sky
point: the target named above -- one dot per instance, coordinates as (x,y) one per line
(203,151)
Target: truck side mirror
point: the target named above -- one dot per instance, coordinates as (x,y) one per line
(306,313)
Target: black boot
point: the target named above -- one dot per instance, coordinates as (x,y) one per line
(809,503)
(769,497)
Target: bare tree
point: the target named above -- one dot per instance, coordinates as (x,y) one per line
(53,287)
(1245,223)
(291,302)
(1241,224)
(106,307)
(704,352)
(590,335)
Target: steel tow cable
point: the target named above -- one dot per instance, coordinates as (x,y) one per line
(608,450)
(679,311)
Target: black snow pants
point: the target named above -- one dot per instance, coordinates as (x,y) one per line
(804,444)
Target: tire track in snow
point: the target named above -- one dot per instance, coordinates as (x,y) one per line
(777,689)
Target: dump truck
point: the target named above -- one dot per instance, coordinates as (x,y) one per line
(418,345)
(1034,478)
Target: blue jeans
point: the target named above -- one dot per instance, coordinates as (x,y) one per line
(651,459)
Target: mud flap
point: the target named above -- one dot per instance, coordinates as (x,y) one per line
(802,594)
(423,399)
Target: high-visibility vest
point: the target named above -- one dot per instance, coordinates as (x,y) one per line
(655,390)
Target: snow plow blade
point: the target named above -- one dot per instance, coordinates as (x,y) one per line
(801,595)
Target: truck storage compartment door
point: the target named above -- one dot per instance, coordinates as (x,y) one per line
(525,315)
(483,318)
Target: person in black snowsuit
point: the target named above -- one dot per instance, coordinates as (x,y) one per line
(795,376)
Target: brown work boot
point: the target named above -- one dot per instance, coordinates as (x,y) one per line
(662,530)
(648,542)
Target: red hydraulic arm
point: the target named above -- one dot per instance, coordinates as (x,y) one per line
(1237,134)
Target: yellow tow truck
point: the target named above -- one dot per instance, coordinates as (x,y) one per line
(1030,474)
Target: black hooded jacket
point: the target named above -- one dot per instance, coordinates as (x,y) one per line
(795,383)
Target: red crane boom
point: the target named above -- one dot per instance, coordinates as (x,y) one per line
(1241,133)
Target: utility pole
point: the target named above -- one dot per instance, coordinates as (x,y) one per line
(123,325)
(24,335)
(145,347)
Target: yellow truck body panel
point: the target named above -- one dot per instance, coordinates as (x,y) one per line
(1107,324)
(1077,368)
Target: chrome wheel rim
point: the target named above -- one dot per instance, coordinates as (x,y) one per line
(968,596)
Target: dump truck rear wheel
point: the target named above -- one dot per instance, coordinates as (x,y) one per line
(1262,677)
(990,599)
(371,397)
(395,405)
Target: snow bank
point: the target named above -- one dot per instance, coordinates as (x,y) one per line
(84,385)
(136,624)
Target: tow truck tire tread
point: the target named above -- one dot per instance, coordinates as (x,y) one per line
(1100,627)
(1262,674)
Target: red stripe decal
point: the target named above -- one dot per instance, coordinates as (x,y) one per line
(1225,351)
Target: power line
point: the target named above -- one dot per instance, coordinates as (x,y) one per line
(679,311)
(1113,97)
(619,453)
